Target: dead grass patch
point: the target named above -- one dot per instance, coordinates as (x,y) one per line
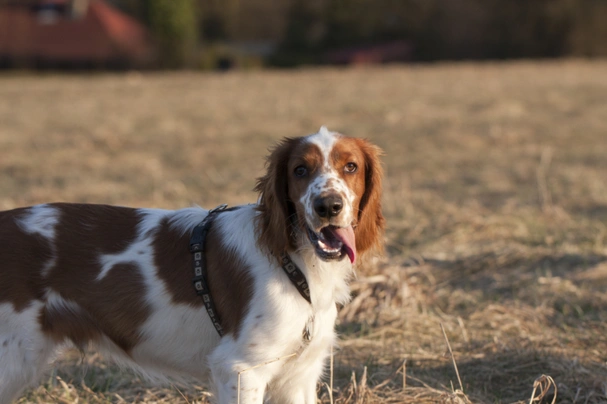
(496,200)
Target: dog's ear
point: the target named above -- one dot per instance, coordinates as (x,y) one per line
(371,222)
(273,224)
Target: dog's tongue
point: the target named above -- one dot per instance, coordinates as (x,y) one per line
(346,236)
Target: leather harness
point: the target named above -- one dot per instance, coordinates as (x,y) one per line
(197,248)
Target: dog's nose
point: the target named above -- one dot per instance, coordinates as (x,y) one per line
(328,206)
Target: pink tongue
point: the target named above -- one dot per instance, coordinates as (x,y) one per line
(346,236)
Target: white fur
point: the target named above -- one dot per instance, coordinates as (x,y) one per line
(130,255)
(42,220)
(284,315)
(325,140)
(24,350)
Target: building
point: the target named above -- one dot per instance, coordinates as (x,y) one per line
(71,34)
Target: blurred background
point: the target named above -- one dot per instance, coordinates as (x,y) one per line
(221,34)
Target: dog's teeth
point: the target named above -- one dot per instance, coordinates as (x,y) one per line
(326,248)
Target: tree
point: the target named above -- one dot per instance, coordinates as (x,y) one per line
(174,24)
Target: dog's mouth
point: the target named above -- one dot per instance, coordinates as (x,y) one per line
(334,243)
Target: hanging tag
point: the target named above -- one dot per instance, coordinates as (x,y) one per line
(307,331)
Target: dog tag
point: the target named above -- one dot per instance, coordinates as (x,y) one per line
(307,331)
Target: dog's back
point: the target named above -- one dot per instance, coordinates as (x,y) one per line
(79,274)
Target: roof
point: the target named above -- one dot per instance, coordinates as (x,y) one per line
(102,33)
(395,51)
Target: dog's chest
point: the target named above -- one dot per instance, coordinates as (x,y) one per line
(317,333)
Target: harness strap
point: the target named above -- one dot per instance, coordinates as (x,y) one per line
(201,285)
(197,248)
(297,278)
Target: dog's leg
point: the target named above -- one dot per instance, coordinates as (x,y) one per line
(24,350)
(297,382)
(241,382)
(250,390)
(308,390)
(304,393)
(241,376)
(296,388)
(232,387)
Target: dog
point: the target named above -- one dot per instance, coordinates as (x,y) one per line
(244,298)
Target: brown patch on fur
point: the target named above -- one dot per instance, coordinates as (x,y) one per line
(174,264)
(112,314)
(371,222)
(230,280)
(22,257)
(67,322)
(274,221)
(347,151)
(309,156)
(366,182)
(113,306)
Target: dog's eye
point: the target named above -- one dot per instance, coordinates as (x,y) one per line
(300,171)
(351,168)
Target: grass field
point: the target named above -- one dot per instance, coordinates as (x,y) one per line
(495,198)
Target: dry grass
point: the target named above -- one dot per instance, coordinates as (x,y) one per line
(496,199)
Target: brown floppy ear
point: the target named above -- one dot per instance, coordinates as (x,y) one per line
(273,224)
(371,222)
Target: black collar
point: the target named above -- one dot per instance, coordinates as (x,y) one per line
(297,278)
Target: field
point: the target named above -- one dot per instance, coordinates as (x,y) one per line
(495,198)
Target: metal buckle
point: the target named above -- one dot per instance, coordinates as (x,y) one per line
(196,247)
(218,208)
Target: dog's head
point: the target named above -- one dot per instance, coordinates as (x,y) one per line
(322,190)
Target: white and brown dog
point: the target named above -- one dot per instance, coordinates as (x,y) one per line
(122,278)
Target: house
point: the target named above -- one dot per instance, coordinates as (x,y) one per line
(395,51)
(71,33)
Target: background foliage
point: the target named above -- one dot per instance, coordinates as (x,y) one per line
(437,29)
(173,24)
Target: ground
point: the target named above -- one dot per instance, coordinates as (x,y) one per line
(495,199)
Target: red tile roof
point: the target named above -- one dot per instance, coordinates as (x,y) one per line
(102,34)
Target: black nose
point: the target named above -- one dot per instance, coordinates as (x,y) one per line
(328,206)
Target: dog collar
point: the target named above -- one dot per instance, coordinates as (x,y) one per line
(297,278)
